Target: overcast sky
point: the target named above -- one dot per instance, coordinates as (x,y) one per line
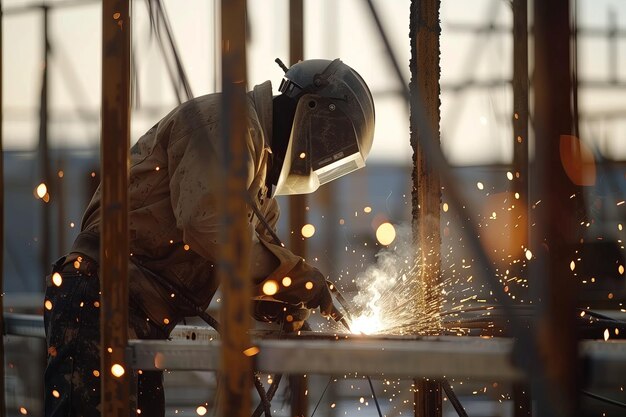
(475,123)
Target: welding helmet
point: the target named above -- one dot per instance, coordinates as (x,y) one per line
(333,126)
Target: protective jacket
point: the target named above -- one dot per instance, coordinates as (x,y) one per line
(173,219)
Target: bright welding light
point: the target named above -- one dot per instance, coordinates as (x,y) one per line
(366,324)
(41,190)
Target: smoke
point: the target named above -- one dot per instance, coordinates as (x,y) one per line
(393,297)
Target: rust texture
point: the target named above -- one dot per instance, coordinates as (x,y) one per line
(560,211)
(427,399)
(520,109)
(114,249)
(424,32)
(236,237)
(45,171)
(297,203)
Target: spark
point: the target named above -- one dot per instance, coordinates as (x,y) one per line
(509,175)
(270,287)
(41,190)
(23,411)
(385,233)
(480,185)
(251,351)
(117,370)
(620,269)
(286,281)
(445,207)
(529,254)
(606,334)
(308,285)
(57,279)
(367,209)
(201,410)
(308,230)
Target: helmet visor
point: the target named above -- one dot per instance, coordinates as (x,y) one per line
(323,146)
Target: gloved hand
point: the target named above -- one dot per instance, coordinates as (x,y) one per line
(303,288)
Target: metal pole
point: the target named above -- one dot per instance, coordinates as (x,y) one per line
(520,111)
(297,203)
(426,194)
(613,46)
(427,399)
(236,364)
(2,369)
(560,211)
(114,246)
(44,149)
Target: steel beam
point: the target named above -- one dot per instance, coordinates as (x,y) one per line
(428,357)
(45,174)
(558,217)
(297,203)
(236,381)
(520,112)
(198,348)
(114,246)
(426,192)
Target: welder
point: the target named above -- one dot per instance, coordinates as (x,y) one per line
(317,129)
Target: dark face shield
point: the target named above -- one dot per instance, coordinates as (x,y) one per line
(323,146)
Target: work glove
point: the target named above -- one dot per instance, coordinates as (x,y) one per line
(304,288)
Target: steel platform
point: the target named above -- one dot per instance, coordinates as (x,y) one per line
(488,359)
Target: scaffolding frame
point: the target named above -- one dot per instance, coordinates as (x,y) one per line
(119,199)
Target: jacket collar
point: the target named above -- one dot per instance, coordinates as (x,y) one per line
(262,97)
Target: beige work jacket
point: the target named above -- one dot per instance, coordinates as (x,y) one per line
(173,220)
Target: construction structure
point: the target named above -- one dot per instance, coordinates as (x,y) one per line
(553,355)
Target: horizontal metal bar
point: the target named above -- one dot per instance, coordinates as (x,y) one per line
(27,325)
(450,357)
(432,357)
(198,348)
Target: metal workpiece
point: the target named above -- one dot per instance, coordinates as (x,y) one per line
(432,357)
(429,357)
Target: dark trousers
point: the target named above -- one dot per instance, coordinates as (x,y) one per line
(72,323)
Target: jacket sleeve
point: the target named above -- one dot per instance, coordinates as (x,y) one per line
(193,164)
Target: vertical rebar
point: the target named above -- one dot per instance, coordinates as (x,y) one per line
(114,246)
(560,210)
(297,203)
(2,369)
(44,148)
(236,364)
(424,32)
(520,111)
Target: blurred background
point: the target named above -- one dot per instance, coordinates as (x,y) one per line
(51,101)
